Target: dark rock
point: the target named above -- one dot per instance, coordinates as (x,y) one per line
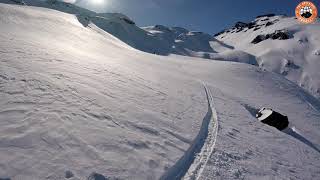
(68,174)
(128,21)
(269,24)
(258,39)
(256,28)
(267,36)
(241,25)
(96,176)
(281,35)
(219,33)
(84,20)
(251,25)
(239,30)
(292,65)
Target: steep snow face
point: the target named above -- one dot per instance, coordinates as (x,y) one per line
(292,54)
(77,103)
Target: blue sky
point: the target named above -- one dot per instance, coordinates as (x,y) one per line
(209,16)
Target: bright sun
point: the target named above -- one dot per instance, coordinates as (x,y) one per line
(97,1)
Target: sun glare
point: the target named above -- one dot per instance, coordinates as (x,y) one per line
(97,1)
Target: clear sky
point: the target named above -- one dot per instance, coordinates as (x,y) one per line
(209,16)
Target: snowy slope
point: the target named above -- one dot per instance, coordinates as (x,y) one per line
(190,43)
(119,25)
(156,39)
(78,103)
(296,58)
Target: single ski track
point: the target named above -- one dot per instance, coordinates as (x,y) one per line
(193,162)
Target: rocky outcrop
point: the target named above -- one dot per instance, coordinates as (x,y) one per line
(279,34)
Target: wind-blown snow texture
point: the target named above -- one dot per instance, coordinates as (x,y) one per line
(78,103)
(296,58)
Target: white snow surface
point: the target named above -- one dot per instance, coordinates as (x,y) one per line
(76,99)
(296,58)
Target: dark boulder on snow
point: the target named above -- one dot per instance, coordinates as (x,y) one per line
(266,19)
(269,24)
(241,25)
(258,39)
(68,174)
(272,118)
(96,176)
(251,25)
(256,28)
(279,34)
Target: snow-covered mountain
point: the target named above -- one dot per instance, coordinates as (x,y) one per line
(77,102)
(281,45)
(276,43)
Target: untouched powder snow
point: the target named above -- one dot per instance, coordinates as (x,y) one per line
(78,103)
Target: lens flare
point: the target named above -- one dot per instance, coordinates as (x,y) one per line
(97,1)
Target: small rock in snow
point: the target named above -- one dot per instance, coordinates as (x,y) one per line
(96,176)
(68,174)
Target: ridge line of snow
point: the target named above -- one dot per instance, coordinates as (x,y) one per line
(192,163)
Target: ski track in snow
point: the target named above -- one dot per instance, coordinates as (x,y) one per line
(191,165)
